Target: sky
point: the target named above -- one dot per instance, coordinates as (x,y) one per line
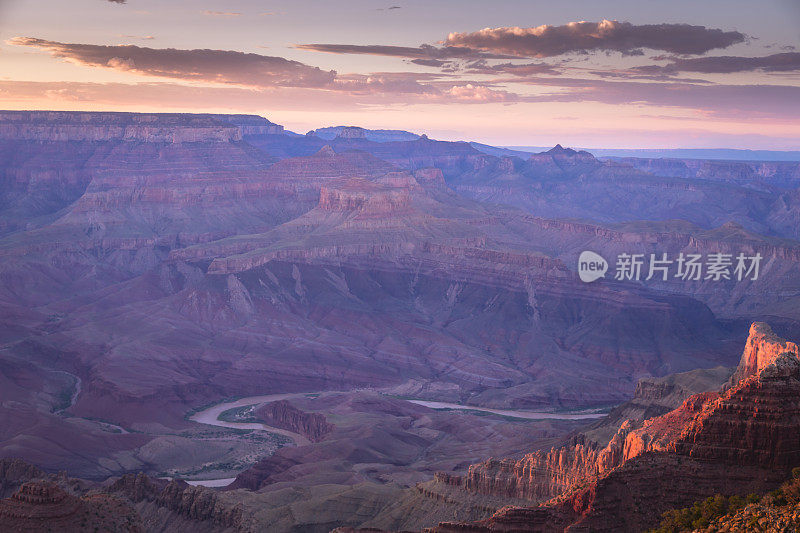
(588,73)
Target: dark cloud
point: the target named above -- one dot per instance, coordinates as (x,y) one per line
(525,69)
(118,1)
(633,74)
(430,62)
(783,62)
(606,35)
(217,66)
(425,51)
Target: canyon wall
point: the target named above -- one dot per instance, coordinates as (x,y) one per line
(744,438)
(284,415)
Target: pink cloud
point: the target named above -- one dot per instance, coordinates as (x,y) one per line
(214,66)
(606,35)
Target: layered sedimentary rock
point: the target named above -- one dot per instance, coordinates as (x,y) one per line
(170,263)
(42,505)
(200,505)
(283,414)
(776,173)
(763,348)
(372,135)
(14,472)
(153,127)
(365,196)
(352,132)
(103,127)
(735,441)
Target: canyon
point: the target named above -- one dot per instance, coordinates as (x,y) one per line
(739,440)
(154,265)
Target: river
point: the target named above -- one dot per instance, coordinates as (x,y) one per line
(529,415)
(210,416)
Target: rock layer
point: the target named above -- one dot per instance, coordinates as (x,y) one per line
(742,439)
(283,414)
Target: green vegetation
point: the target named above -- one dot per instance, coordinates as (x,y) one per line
(239,414)
(63,400)
(702,513)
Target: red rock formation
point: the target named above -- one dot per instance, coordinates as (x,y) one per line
(365,196)
(284,415)
(742,439)
(762,349)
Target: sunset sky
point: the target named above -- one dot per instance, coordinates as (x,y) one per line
(635,74)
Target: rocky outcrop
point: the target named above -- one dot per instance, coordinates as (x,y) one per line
(138,487)
(543,475)
(327,164)
(355,132)
(284,415)
(104,127)
(776,173)
(41,505)
(200,503)
(736,441)
(193,503)
(14,472)
(364,196)
(763,348)
(352,132)
(758,518)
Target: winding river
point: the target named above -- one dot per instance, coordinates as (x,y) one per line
(528,415)
(210,416)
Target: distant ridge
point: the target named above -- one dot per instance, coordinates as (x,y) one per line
(729,154)
(332,132)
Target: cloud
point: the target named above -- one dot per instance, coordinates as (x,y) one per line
(413,87)
(424,51)
(525,69)
(259,72)
(172,96)
(478,94)
(169,96)
(430,62)
(222,13)
(213,66)
(118,1)
(732,101)
(140,37)
(406,83)
(783,62)
(606,35)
